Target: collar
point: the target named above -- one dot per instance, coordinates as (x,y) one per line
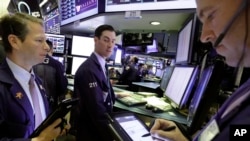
(18,71)
(100,59)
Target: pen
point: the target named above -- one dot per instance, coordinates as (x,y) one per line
(170,128)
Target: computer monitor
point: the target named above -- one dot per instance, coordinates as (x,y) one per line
(205,94)
(185,41)
(76,62)
(82,46)
(158,73)
(118,57)
(180,85)
(166,77)
(58,42)
(52,22)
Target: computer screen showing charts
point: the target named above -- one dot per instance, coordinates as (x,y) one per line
(76,62)
(58,42)
(180,85)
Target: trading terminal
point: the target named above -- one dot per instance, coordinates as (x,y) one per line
(185,85)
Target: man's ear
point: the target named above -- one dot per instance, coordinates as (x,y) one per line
(14,41)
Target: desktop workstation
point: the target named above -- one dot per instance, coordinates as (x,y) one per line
(194,97)
(172,90)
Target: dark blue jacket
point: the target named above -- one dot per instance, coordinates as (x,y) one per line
(16,113)
(89,85)
(54,79)
(240,115)
(129,75)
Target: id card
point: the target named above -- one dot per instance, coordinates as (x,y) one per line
(209,132)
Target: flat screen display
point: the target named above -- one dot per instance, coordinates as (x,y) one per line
(76,62)
(158,73)
(166,77)
(73,10)
(118,57)
(184,46)
(82,46)
(136,39)
(178,85)
(52,22)
(58,42)
(153,47)
(129,5)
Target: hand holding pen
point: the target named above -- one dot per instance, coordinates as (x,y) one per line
(170,128)
(166,130)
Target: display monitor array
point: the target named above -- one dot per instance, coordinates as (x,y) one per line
(82,46)
(73,10)
(58,42)
(130,5)
(76,62)
(180,85)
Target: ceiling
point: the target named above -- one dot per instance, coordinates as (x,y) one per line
(170,20)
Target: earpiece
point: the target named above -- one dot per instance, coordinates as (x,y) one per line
(231,21)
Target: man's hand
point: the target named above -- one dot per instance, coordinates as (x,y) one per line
(52,131)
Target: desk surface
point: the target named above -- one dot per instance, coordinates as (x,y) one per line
(170,114)
(152,85)
(152,79)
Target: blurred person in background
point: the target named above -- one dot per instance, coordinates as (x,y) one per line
(52,73)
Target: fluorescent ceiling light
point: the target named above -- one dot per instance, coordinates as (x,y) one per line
(43,2)
(155,23)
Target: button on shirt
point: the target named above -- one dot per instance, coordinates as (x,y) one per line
(23,77)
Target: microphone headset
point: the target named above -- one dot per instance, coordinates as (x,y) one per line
(227,27)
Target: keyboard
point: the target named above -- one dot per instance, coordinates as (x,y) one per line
(133,100)
(158,103)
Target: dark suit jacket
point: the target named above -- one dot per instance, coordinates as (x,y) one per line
(16,113)
(240,115)
(54,79)
(90,82)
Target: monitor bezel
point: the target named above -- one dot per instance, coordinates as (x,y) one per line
(191,42)
(50,35)
(169,69)
(74,45)
(188,88)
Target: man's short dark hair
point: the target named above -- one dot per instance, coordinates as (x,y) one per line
(100,29)
(136,60)
(50,44)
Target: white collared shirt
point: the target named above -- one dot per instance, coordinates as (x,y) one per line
(23,77)
(102,62)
